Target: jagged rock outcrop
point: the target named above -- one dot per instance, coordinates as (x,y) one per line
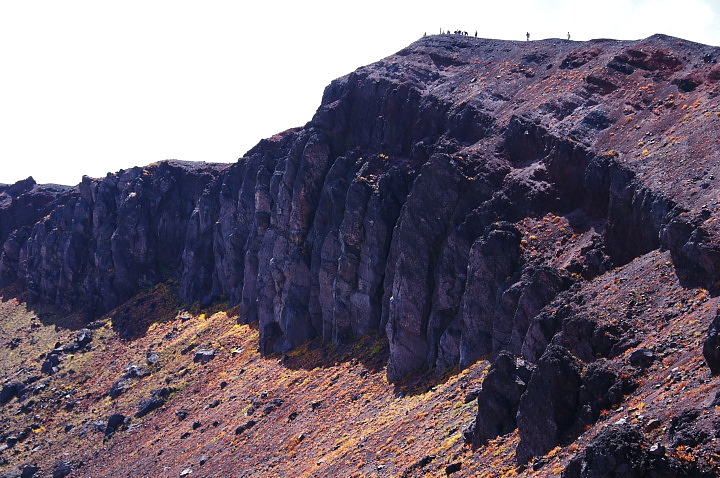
(21,206)
(617,450)
(562,397)
(499,398)
(621,450)
(546,409)
(104,239)
(711,346)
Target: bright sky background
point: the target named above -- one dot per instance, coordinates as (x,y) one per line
(92,86)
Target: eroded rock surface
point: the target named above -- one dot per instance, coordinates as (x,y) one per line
(104,239)
(499,398)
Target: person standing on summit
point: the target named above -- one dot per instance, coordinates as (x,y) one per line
(527,35)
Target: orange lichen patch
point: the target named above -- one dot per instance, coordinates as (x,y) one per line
(553,239)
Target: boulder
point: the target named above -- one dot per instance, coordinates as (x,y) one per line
(204,355)
(62,469)
(148,405)
(114,422)
(135,371)
(83,338)
(642,358)
(616,451)
(548,408)
(151,358)
(711,346)
(51,365)
(11,390)
(29,471)
(499,398)
(156,400)
(119,387)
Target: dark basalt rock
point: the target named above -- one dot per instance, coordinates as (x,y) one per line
(11,390)
(96,244)
(62,469)
(602,388)
(118,388)
(114,423)
(547,409)
(621,450)
(148,405)
(683,432)
(135,371)
(203,355)
(152,358)
(156,400)
(80,344)
(50,365)
(29,471)
(711,346)
(564,396)
(617,451)
(642,358)
(493,261)
(498,399)
(242,428)
(22,205)
(424,223)
(84,337)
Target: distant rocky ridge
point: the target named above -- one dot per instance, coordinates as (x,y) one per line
(92,247)
(406,206)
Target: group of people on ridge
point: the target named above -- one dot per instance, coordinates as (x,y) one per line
(461,32)
(456,32)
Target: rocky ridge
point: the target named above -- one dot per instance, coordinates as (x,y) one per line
(463,198)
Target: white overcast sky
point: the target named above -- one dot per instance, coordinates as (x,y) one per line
(90,87)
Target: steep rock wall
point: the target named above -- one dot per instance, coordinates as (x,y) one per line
(105,239)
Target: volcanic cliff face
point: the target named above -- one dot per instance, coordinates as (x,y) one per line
(92,247)
(464,198)
(403,205)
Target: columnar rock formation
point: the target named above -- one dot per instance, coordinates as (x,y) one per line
(91,247)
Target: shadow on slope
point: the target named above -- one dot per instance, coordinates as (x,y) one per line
(46,314)
(370,353)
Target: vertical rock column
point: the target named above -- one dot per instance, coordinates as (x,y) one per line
(284,260)
(415,250)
